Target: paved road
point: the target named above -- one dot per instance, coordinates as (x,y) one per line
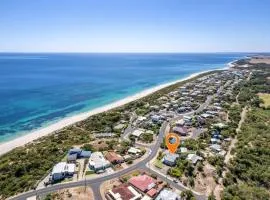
(129,129)
(95,183)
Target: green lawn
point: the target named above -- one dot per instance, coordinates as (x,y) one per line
(158,164)
(266,99)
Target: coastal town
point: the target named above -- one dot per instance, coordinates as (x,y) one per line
(127,157)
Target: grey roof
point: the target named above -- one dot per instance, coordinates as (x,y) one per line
(215,147)
(85,154)
(74,151)
(179,129)
(171,157)
(72,157)
(77,153)
(194,158)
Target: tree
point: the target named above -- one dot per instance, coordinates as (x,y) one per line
(187,195)
(175,172)
(88,147)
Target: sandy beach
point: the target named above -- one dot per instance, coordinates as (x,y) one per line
(31,136)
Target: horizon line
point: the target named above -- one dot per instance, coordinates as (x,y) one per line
(131,52)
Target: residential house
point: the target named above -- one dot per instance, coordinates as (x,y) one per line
(76,153)
(180,130)
(114,158)
(149,132)
(167,194)
(127,158)
(187,118)
(62,170)
(170,158)
(144,183)
(212,113)
(215,147)
(219,125)
(71,158)
(123,192)
(137,132)
(182,89)
(182,109)
(215,141)
(134,151)
(180,122)
(152,192)
(184,93)
(194,158)
(201,120)
(141,119)
(104,135)
(154,107)
(183,150)
(119,127)
(97,162)
(205,116)
(155,118)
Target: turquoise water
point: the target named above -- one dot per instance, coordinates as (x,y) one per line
(38,89)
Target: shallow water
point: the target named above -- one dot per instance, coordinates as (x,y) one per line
(38,89)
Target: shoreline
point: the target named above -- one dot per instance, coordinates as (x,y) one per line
(7,146)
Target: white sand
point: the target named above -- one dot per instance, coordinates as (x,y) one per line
(20,141)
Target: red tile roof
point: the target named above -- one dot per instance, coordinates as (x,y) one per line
(142,182)
(123,190)
(113,157)
(152,192)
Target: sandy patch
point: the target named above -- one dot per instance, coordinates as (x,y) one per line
(206,184)
(79,193)
(257,60)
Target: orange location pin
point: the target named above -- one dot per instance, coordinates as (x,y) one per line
(172,142)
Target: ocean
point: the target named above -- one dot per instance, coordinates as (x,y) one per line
(37,89)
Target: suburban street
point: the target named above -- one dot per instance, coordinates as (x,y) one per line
(96,182)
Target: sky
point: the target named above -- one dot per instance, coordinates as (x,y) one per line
(134,26)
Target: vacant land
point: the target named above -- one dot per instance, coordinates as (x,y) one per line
(266,99)
(259,59)
(249,172)
(81,193)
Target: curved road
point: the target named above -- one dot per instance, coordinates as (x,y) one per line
(96,182)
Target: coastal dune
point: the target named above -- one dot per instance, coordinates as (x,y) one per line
(20,141)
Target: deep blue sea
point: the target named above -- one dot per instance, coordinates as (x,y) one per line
(39,89)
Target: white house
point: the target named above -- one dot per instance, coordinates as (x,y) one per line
(215,147)
(187,118)
(62,170)
(141,118)
(133,150)
(180,122)
(193,158)
(98,162)
(168,195)
(137,132)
